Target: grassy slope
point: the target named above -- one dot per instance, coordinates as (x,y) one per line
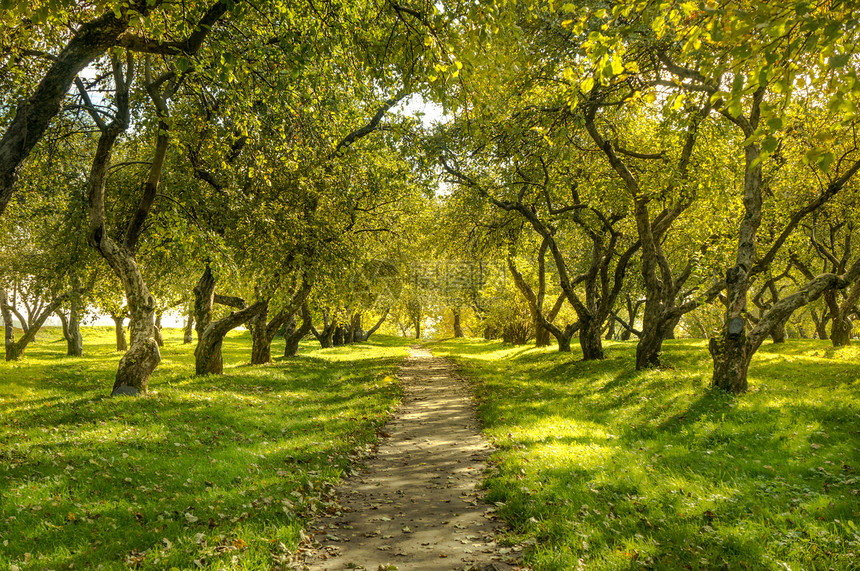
(606,468)
(219,472)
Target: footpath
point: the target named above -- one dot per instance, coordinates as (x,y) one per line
(414,505)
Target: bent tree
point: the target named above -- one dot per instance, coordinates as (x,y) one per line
(607,259)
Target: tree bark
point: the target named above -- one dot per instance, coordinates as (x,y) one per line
(339,336)
(356,334)
(778,333)
(207,355)
(376,326)
(632,311)
(119,329)
(820,324)
(157,329)
(294,335)
(326,336)
(188,336)
(72,331)
(24,321)
(9,328)
(261,343)
(204,300)
(840,332)
(458,328)
(731,355)
(589,340)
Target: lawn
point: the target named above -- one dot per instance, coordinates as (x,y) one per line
(601,467)
(202,473)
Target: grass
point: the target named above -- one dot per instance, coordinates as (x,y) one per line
(601,467)
(208,472)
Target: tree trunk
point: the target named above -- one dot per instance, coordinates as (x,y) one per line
(376,326)
(295,335)
(119,329)
(563,344)
(9,328)
(327,338)
(24,321)
(778,333)
(541,336)
(291,338)
(72,331)
(339,336)
(75,342)
(261,342)
(142,356)
(610,331)
(188,337)
(671,325)
(157,329)
(207,355)
(731,355)
(356,333)
(204,300)
(820,324)
(417,321)
(458,328)
(264,331)
(589,340)
(64,323)
(649,347)
(840,332)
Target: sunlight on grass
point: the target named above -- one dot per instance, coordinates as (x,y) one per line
(602,467)
(203,472)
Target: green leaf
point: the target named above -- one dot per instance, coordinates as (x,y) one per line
(825,161)
(587,84)
(839,60)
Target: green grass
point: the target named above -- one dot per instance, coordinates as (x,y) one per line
(601,467)
(209,472)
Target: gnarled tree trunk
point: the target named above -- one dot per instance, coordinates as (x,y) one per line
(8,326)
(188,335)
(72,331)
(294,335)
(157,329)
(207,355)
(261,343)
(326,336)
(458,327)
(589,339)
(840,331)
(376,326)
(119,330)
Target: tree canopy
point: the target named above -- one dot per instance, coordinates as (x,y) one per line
(630,169)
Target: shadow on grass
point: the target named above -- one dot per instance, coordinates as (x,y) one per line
(201,469)
(608,468)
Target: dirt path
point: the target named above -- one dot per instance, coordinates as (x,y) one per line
(414,506)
